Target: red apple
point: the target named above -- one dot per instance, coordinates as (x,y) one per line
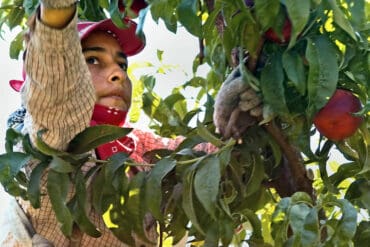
(136,5)
(335,120)
(271,35)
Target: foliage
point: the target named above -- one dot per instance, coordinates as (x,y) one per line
(239,192)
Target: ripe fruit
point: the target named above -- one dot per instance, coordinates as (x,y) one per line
(136,5)
(335,119)
(271,35)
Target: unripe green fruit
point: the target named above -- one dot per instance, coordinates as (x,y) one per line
(336,120)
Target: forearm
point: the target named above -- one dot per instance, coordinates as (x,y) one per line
(58,92)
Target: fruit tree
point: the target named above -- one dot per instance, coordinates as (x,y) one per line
(307,60)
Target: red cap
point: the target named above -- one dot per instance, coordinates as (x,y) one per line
(129,42)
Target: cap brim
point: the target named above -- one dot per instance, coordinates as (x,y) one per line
(16,84)
(130,43)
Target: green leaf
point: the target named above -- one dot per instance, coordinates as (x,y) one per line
(121,234)
(272,85)
(79,208)
(257,174)
(279,221)
(323,71)
(348,223)
(116,15)
(207,135)
(45,148)
(101,191)
(95,136)
(140,26)
(255,223)
(109,183)
(251,40)
(341,20)
(166,10)
(12,137)
(92,11)
(33,189)
(30,6)
(294,68)
(359,16)
(301,197)
(58,185)
(10,184)
(187,14)
(60,165)
(30,149)
(188,200)
(206,184)
(153,186)
(15,161)
(310,235)
(135,204)
(178,226)
(362,236)
(15,17)
(298,12)
(297,216)
(115,162)
(266,12)
(212,236)
(16,45)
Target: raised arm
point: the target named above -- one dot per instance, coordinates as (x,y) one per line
(58,93)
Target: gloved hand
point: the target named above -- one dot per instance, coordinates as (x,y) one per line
(237,106)
(58,4)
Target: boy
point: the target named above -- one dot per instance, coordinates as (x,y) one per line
(74,80)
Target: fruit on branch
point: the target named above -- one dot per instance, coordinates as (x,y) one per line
(271,35)
(336,120)
(136,5)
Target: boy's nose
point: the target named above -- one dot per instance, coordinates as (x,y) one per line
(117,76)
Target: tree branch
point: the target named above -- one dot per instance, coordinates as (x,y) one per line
(295,162)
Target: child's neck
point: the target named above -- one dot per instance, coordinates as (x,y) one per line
(108,115)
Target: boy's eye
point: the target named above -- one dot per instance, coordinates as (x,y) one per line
(92,60)
(123,66)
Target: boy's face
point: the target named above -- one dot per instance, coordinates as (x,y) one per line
(108,67)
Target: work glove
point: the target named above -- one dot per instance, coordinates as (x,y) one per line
(237,106)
